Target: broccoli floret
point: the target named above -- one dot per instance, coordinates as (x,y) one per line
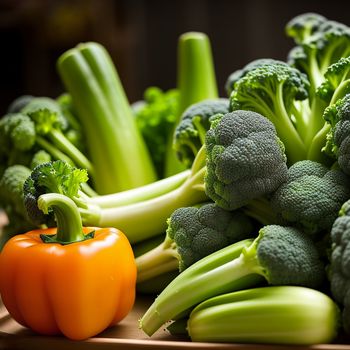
(19,103)
(17,132)
(194,123)
(192,234)
(51,127)
(52,177)
(303,26)
(337,81)
(245,159)
(155,118)
(339,272)
(272,90)
(311,197)
(240,73)
(335,86)
(279,255)
(327,45)
(11,188)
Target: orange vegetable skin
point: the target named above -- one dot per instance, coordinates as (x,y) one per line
(78,289)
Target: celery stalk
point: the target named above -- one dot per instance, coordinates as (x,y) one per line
(117,150)
(196,81)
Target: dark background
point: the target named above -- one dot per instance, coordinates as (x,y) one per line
(141,36)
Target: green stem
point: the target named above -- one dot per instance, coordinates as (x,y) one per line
(159,260)
(68,148)
(224,271)
(148,218)
(141,193)
(69,226)
(196,81)
(116,148)
(260,210)
(316,120)
(319,141)
(295,148)
(57,154)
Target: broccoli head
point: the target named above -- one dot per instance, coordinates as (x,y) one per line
(194,123)
(19,103)
(17,132)
(301,27)
(337,116)
(245,159)
(329,42)
(273,90)
(192,234)
(240,73)
(11,188)
(311,197)
(339,272)
(337,81)
(51,177)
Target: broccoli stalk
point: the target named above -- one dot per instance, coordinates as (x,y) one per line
(192,234)
(279,255)
(196,81)
(106,117)
(272,315)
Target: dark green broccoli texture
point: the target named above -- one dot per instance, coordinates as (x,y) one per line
(194,123)
(288,256)
(339,272)
(245,159)
(198,232)
(311,197)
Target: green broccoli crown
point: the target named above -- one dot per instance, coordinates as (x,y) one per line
(289,257)
(52,177)
(195,121)
(17,132)
(339,273)
(298,58)
(198,232)
(11,187)
(311,197)
(264,83)
(19,103)
(245,159)
(238,74)
(329,43)
(335,74)
(337,146)
(301,27)
(46,114)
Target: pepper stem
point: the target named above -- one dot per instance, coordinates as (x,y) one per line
(69,226)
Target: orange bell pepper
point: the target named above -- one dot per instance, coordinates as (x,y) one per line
(71,280)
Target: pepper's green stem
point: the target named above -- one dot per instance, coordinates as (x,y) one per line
(69,226)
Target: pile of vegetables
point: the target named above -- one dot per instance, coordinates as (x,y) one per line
(237,207)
